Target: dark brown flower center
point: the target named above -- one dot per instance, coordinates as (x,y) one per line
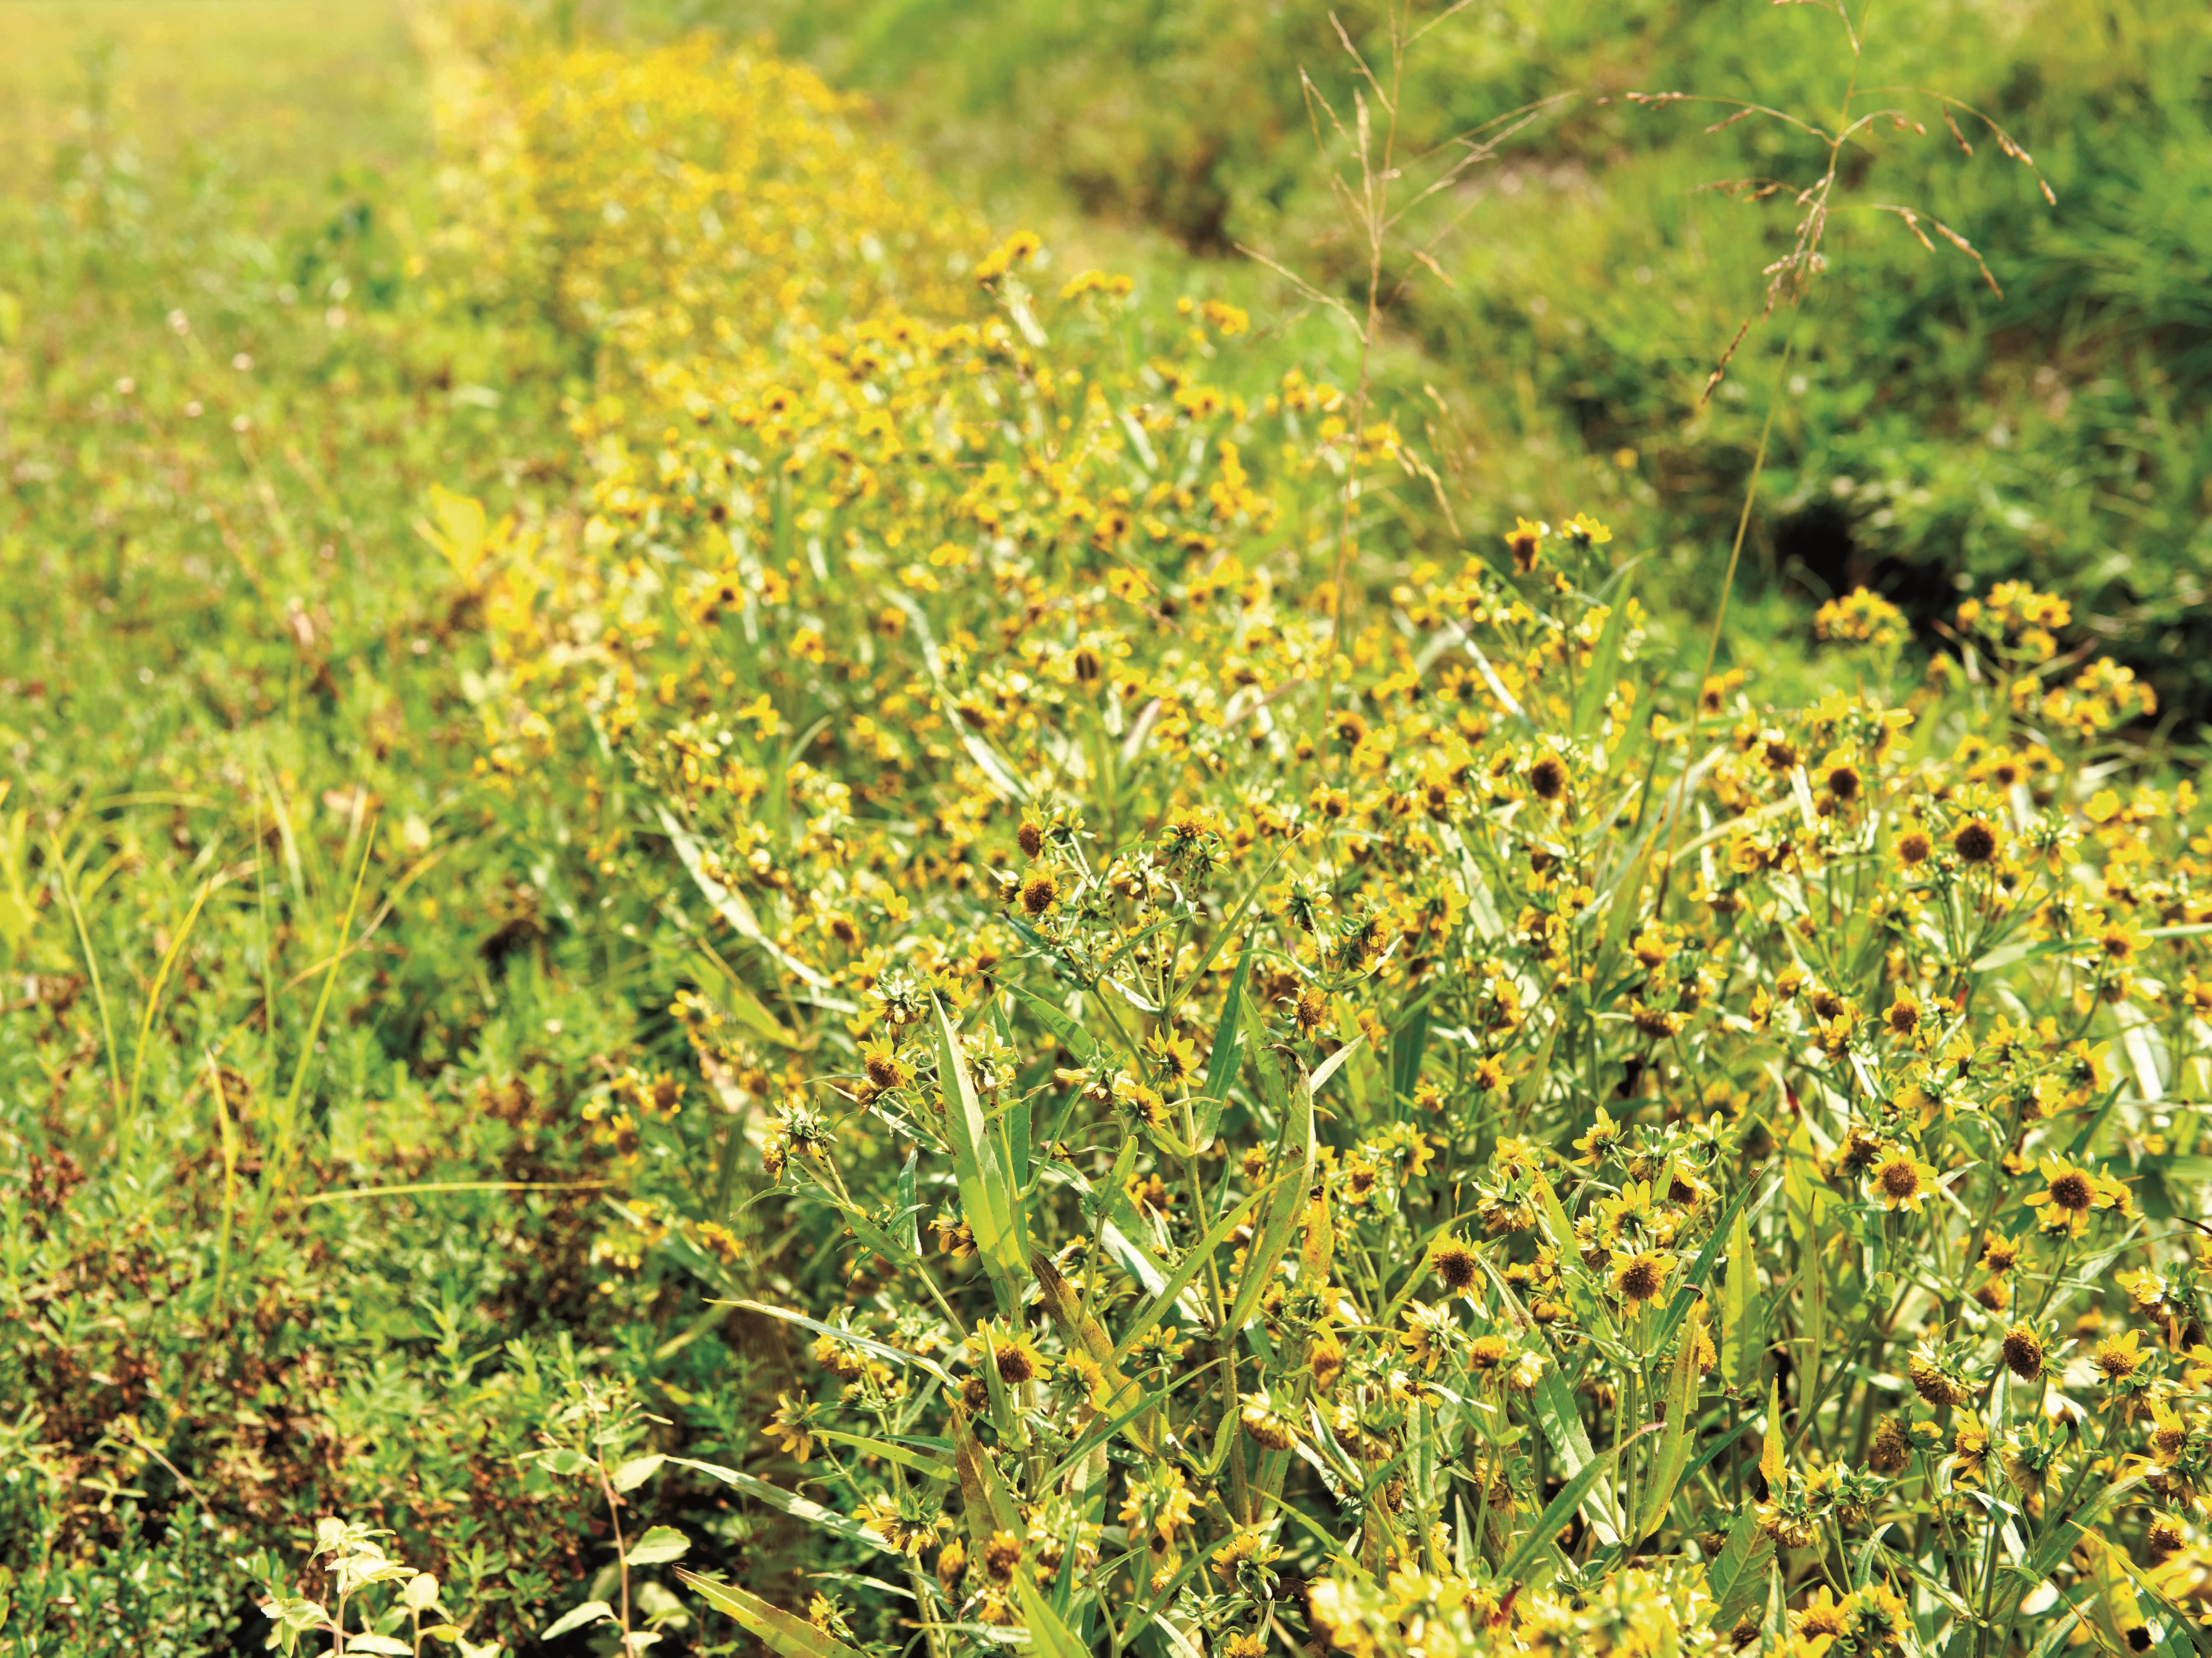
(1639,1280)
(2071,1191)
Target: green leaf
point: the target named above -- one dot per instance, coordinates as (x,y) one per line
(1563,1425)
(987,1194)
(1083,1333)
(1335,1062)
(592,1611)
(1771,1463)
(1689,1291)
(910,1221)
(1362,1075)
(1674,1448)
(789,1636)
(799,1507)
(920,1462)
(1506,699)
(1739,1570)
(1561,1230)
(1227,929)
(1739,1310)
(2059,1542)
(1267,1064)
(730,905)
(1221,1066)
(1532,1081)
(736,994)
(1605,662)
(1411,1043)
(636,1472)
(1481,908)
(658,1547)
(1624,900)
(1193,1262)
(1072,1036)
(1628,741)
(2020,950)
(1290,1175)
(865,1344)
(1050,1635)
(986,1502)
(1808,1206)
(1562,1508)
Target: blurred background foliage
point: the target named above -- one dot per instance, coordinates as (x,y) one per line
(1935,435)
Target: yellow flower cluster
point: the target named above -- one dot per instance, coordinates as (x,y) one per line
(1861,617)
(1391,1080)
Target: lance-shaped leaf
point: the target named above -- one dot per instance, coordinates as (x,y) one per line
(1194,1263)
(1291,1171)
(987,1188)
(1228,1049)
(783,1634)
(1562,1424)
(1530,1088)
(930,1467)
(1681,1409)
(1561,1508)
(1742,1324)
(798,1507)
(1740,1570)
(1771,1463)
(1690,1291)
(1553,1215)
(1083,1333)
(2061,1540)
(1318,1250)
(852,1338)
(1071,1035)
(1605,663)
(730,904)
(985,1503)
(2115,1610)
(1050,1635)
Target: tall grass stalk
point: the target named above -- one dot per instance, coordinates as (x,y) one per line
(92,970)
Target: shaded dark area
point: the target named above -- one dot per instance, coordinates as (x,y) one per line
(1819,554)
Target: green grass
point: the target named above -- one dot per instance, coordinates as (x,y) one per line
(238,746)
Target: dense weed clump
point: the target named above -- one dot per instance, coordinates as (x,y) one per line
(1404,1128)
(1069,1022)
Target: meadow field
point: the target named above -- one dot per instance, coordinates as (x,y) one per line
(939,826)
